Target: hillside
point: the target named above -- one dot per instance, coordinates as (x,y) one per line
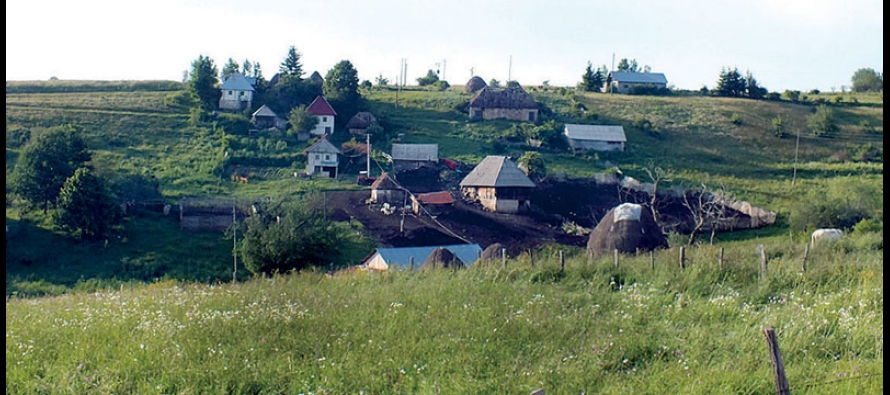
(146,129)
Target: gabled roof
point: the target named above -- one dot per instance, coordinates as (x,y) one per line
(419,152)
(317,78)
(639,78)
(595,132)
(264,111)
(511,98)
(443,197)
(320,106)
(323,146)
(400,258)
(497,171)
(236,82)
(385,182)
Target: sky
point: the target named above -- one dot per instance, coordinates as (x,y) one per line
(785,44)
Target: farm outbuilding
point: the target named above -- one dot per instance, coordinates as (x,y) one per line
(435,203)
(265,118)
(498,185)
(627,228)
(624,81)
(595,137)
(414,156)
(209,215)
(510,103)
(402,258)
(386,190)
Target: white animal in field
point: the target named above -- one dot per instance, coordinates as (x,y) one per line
(823,235)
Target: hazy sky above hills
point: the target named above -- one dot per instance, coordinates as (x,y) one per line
(786,44)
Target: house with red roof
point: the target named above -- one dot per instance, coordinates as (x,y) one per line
(322,110)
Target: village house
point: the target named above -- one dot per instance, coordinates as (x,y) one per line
(237,93)
(511,103)
(322,158)
(386,190)
(265,118)
(595,137)
(322,110)
(498,185)
(407,258)
(623,81)
(414,156)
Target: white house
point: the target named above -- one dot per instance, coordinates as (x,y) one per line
(322,158)
(237,93)
(402,258)
(623,81)
(595,137)
(322,110)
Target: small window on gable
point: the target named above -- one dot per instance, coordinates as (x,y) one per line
(317,157)
(327,157)
(324,119)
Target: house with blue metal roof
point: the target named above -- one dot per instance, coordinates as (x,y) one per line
(237,93)
(412,258)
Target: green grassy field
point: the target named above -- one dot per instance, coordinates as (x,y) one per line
(153,311)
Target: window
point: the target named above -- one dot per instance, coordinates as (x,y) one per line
(327,157)
(230,93)
(324,119)
(327,129)
(317,157)
(531,116)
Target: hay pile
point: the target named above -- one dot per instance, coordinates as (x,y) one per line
(492,252)
(628,228)
(442,258)
(474,84)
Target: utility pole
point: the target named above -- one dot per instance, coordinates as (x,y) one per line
(368,155)
(796,146)
(444,65)
(234,246)
(510,70)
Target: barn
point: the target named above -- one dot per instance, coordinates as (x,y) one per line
(414,156)
(595,137)
(265,118)
(511,103)
(402,258)
(624,81)
(498,185)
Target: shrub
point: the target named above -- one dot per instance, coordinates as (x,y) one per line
(823,123)
(735,119)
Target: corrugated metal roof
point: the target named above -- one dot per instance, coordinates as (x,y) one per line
(236,82)
(497,171)
(639,78)
(420,152)
(612,133)
(400,258)
(323,146)
(320,106)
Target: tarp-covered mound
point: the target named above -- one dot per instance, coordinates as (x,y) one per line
(628,228)
(442,258)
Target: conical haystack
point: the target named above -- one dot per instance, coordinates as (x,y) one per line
(474,84)
(442,258)
(492,252)
(628,228)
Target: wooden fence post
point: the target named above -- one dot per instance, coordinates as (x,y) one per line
(412,263)
(720,258)
(562,261)
(803,264)
(616,258)
(682,257)
(763,261)
(504,257)
(776,358)
(531,257)
(652,259)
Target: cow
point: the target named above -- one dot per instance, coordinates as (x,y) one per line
(825,235)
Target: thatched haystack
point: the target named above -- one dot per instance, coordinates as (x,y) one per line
(360,121)
(492,252)
(442,258)
(474,84)
(627,227)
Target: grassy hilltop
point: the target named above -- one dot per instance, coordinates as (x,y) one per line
(152,312)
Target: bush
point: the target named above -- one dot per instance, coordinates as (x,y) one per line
(823,123)
(735,119)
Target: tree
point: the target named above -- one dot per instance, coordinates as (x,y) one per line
(341,85)
(381,81)
(85,206)
(292,236)
(592,80)
(203,82)
(494,83)
(301,121)
(823,123)
(429,79)
(867,80)
(731,83)
(628,65)
(291,65)
(247,68)
(754,91)
(45,164)
(532,163)
(230,68)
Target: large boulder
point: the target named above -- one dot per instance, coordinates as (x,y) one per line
(627,228)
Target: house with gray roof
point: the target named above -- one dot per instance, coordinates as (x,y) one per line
(265,118)
(623,81)
(322,158)
(237,93)
(595,137)
(498,184)
(414,156)
(403,258)
(510,103)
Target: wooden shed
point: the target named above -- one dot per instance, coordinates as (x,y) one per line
(498,185)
